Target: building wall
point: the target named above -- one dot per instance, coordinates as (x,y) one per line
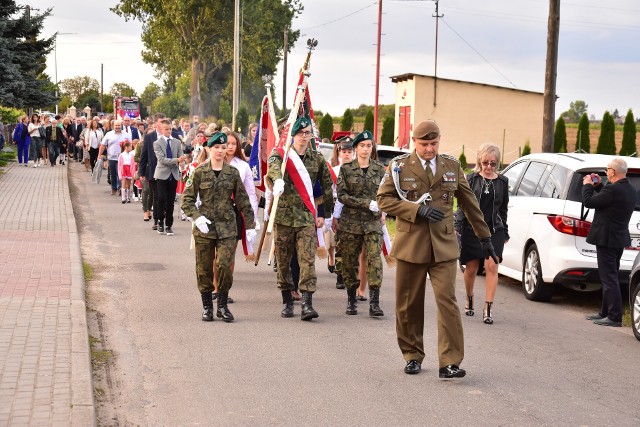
(471,114)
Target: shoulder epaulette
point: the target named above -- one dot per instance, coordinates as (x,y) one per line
(447,156)
(401,157)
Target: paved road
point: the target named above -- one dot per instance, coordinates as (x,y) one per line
(539,364)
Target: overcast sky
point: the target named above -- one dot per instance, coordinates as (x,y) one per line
(494,41)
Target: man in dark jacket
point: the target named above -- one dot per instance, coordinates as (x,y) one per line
(148,163)
(614,204)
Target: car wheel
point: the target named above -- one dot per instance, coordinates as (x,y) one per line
(635,312)
(534,287)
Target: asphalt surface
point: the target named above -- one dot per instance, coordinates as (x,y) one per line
(538,364)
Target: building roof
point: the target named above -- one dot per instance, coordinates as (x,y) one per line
(410,76)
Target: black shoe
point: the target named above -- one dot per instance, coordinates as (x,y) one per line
(124,201)
(307,312)
(361,298)
(595,316)
(169,231)
(468,307)
(607,322)
(287,300)
(154,226)
(332,268)
(207,305)
(486,313)
(352,308)
(229,300)
(374,303)
(160,228)
(223,311)
(413,367)
(451,371)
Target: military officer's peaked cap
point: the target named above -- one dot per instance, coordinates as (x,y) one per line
(345,143)
(427,130)
(362,136)
(301,123)
(217,138)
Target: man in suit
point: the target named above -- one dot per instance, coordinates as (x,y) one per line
(131,131)
(148,164)
(168,152)
(418,189)
(76,131)
(614,204)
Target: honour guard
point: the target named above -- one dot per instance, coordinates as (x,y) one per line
(219,185)
(418,189)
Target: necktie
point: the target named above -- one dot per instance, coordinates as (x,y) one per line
(169,154)
(126,129)
(429,171)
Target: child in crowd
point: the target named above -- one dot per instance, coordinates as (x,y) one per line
(126,170)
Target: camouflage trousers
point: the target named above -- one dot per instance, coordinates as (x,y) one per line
(350,246)
(303,239)
(223,250)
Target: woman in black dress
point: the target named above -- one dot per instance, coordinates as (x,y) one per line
(492,192)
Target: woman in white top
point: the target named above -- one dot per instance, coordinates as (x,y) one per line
(36,140)
(92,138)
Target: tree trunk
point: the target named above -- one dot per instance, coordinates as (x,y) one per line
(549,114)
(195,107)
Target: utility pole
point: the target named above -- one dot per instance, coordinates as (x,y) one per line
(435,67)
(236,64)
(549,114)
(375,105)
(102,88)
(284,68)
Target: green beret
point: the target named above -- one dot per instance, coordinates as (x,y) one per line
(217,138)
(301,123)
(363,136)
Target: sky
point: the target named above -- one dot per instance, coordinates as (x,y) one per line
(493,42)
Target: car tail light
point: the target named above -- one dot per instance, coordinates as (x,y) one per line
(568,225)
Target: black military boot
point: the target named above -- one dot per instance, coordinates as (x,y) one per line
(339,282)
(223,311)
(374,301)
(308,312)
(352,307)
(207,305)
(287,300)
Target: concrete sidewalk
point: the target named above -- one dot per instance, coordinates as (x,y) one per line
(45,362)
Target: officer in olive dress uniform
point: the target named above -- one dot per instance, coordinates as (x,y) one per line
(360,224)
(418,189)
(215,227)
(295,225)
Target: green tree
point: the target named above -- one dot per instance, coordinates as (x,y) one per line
(242,120)
(629,136)
(149,94)
(387,131)
(89,98)
(76,86)
(179,37)
(347,120)
(607,139)
(527,148)
(560,137)
(582,141)
(576,110)
(368,120)
(463,159)
(326,126)
(122,89)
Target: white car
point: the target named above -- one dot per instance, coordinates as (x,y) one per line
(548,223)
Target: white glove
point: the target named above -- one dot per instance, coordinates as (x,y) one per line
(327,224)
(257,225)
(251,235)
(278,187)
(201,223)
(373,206)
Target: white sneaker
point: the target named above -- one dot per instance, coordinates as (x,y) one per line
(35,165)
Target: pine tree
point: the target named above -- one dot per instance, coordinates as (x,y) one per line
(583,142)
(326,126)
(463,159)
(629,136)
(347,120)
(607,140)
(527,149)
(368,121)
(560,137)
(387,131)
(242,120)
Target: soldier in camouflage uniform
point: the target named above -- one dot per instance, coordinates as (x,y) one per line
(295,225)
(360,222)
(215,228)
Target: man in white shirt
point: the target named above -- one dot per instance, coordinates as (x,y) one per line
(111,142)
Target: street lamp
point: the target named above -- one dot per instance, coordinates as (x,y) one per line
(55,59)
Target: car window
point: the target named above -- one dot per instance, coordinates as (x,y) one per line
(556,183)
(531,178)
(513,174)
(385,155)
(575,189)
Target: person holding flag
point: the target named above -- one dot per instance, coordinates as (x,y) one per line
(296,217)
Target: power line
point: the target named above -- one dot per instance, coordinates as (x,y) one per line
(340,18)
(479,54)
